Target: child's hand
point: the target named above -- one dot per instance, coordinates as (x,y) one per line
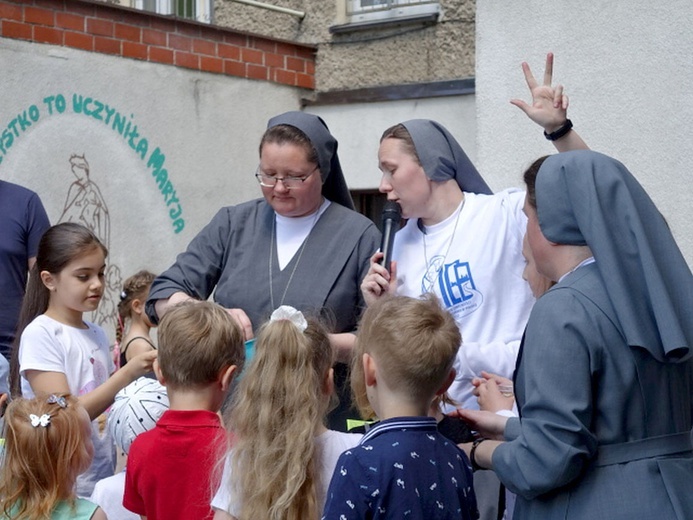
(500,380)
(491,398)
(493,392)
(140,364)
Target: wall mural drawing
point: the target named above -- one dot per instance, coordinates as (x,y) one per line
(85,205)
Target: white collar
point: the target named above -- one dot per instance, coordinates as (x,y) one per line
(586,261)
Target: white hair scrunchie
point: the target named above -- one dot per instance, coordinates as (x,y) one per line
(287,312)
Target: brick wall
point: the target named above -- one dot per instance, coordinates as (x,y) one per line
(139,35)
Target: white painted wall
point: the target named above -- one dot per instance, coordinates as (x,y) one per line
(358,128)
(207,126)
(628,69)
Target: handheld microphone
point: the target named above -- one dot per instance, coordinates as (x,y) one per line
(392,215)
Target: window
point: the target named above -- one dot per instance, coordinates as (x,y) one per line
(370,203)
(200,10)
(367,13)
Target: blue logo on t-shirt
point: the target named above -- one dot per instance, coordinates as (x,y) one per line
(455,284)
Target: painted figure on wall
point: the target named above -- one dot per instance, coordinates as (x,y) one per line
(107,313)
(85,204)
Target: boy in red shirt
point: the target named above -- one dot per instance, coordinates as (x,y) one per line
(170,468)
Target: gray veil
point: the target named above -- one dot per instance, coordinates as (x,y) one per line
(586,198)
(442,157)
(334,186)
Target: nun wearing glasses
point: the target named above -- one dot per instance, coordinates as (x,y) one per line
(302,244)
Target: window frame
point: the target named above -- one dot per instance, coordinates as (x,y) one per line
(384,13)
(198,10)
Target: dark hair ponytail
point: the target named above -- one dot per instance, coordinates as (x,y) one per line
(135,287)
(59,246)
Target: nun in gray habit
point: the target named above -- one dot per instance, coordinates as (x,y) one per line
(604,380)
(235,256)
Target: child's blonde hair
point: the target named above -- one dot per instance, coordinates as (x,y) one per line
(278,409)
(135,287)
(42,459)
(415,342)
(197,340)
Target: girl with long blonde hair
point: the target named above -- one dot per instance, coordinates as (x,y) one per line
(282,456)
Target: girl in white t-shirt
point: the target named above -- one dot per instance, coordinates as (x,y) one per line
(282,457)
(58,352)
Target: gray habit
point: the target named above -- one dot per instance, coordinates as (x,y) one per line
(232,253)
(581,387)
(604,380)
(442,157)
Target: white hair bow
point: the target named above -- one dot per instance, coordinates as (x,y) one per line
(287,312)
(37,421)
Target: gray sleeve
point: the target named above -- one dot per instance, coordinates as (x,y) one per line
(552,442)
(196,270)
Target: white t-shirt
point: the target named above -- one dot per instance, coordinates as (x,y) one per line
(83,356)
(328,447)
(293,231)
(108,495)
(474,265)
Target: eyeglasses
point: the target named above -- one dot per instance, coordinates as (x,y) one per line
(289,181)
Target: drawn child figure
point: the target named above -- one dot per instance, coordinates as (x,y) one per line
(132,330)
(57,350)
(136,409)
(170,468)
(47,444)
(282,455)
(403,467)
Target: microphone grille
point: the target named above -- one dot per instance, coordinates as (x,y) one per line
(392,210)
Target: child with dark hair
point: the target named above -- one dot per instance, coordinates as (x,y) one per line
(132,331)
(57,350)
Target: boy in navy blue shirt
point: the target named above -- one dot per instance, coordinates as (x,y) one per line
(403,468)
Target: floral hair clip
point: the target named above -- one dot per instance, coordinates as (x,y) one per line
(37,421)
(287,312)
(57,399)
